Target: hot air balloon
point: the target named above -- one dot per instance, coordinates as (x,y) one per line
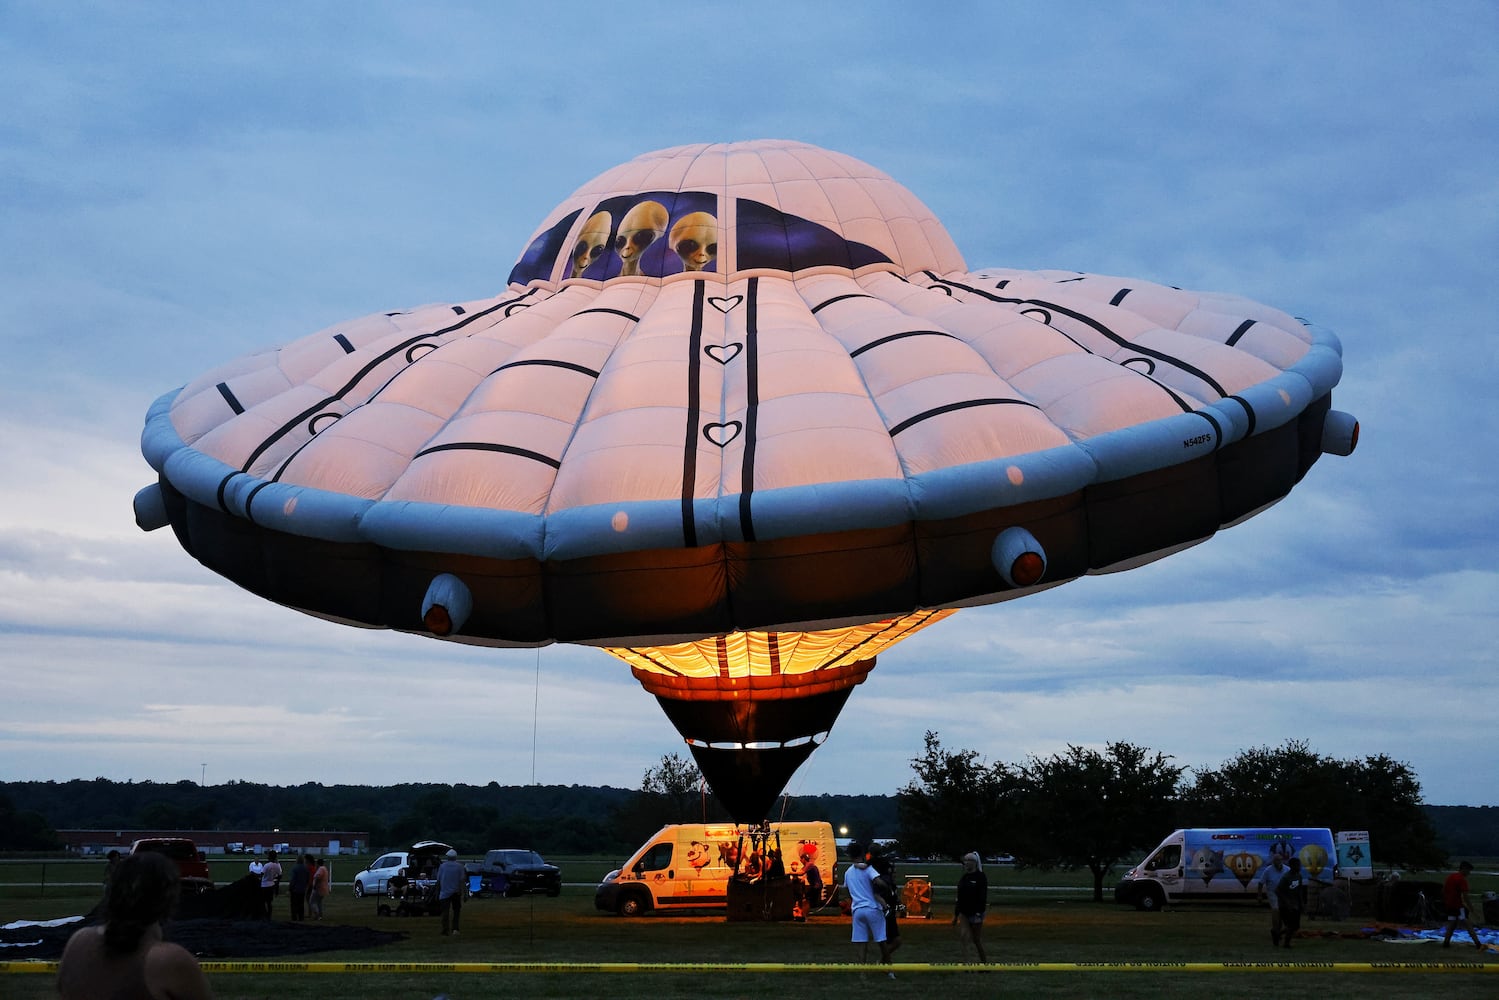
(743,417)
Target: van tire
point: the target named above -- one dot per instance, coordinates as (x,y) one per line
(632,904)
(358,889)
(1151,900)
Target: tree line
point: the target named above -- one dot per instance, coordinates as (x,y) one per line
(552,819)
(1093,808)
(1083,807)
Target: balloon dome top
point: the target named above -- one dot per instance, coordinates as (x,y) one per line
(756,384)
(768,206)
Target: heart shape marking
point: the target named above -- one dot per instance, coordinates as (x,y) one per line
(722,434)
(723,353)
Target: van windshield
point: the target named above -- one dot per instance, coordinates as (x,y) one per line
(655,859)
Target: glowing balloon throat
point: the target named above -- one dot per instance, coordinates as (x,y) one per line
(744,418)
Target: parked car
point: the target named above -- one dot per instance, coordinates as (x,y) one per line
(191,869)
(514,872)
(424,856)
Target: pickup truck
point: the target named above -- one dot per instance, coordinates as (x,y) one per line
(191,869)
(514,872)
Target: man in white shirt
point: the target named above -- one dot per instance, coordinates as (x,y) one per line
(270,879)
(1268,879)
(865,908)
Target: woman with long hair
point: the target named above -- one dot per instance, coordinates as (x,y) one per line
(125,958)
(973,900)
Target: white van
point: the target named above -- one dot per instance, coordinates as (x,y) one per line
(1223,864)
(689,865)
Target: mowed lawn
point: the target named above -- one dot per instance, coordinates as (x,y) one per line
(1027,923)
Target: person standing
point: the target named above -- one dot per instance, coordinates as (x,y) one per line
(322,884)
(889,895)
(813,876)
(301,882)
(1290,894)
(973,900)
(270,879)
(452,883)
(864,905)
(1269,878)
(126,956)
(1458,905)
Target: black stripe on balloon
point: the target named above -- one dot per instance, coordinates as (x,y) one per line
(1089,321)
(250,501)
(898,336)
(839,298)
(503,449)
(374,363)
(937,411)
(848,655)
(1249,410)
(281,470)
(1233,338)
(1217,428)
(752,406)
(551,363)
(612,312)
(219,495)
(234,404)
(1119,296)
(343,342)
(648,654)
(694,400)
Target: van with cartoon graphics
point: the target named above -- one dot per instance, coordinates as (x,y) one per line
(1223,864)
(690,865)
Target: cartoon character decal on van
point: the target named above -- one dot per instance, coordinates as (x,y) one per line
(699,855)
(1208,863)
(1244,865)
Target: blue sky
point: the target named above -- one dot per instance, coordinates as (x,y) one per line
(180,186)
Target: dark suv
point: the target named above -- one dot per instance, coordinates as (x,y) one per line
(192,869)
(513,872)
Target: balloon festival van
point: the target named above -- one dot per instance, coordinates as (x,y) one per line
(1223,864)
(700,865)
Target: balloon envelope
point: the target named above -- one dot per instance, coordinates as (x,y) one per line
(735,396)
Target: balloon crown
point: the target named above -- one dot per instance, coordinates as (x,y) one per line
(762,207)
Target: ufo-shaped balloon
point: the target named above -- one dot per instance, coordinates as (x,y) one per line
(743,417)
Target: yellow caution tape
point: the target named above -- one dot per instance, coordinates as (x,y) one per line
(572,968)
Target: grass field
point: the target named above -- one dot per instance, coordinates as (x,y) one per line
(1025,925)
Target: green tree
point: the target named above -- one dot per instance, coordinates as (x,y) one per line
(1293,785)
(1085,807)
(670,792)
(957,803)
(1386,801)
(677,785)
(24,830)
